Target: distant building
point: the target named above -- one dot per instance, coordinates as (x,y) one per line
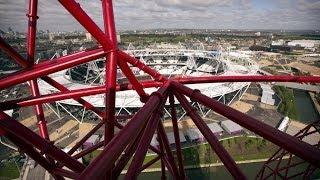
(154,141)
(268,95)
(231,127)
(280,48)
(215,129)
(304,43)
(170,136)
(258,48)
(118,38)
(51,36)
(280,42)
(257,33)
(284,124)
(194,135)
(91,141)
(88,37)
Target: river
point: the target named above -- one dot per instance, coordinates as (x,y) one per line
(306,111)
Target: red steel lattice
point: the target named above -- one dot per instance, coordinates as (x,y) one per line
(133,140)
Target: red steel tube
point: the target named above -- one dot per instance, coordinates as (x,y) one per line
(31,39)
(30,151)
(132,79)
(32,29)
(146,84)
(65,173)
(126,156)
(18,58)
(291,144)
(110,75)
(163,157)
(58,64)
(110,154)
(248,78)
(142,149)
(88,150)
(81,16)
(13,127)
(176,136)
(148,164)
(68,94)
(42,123)
(222,153)
(87,136)
(12,53)
(135,62)
(164,139)
(78,99)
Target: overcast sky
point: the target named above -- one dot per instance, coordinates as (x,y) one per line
(191,14)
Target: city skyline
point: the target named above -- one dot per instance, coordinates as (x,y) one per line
(162,14)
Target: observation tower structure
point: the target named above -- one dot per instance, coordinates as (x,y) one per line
(133,139)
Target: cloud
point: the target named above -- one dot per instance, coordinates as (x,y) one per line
(144,14)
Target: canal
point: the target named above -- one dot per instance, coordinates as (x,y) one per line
(220,172)
(306,111)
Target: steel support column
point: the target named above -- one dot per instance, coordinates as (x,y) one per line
(292,144)
(110,154)
(176,136)
(142,148)
(12,126)
(211,138)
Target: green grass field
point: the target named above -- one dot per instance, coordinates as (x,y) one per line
(8,170)
(240,148)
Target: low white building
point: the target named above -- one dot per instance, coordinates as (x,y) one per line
(304,43)
(268,95)
(91,141)
(170,136)
(231,127)
(194,134)
(216,129)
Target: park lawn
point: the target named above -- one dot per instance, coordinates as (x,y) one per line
(240,148)
(9,170)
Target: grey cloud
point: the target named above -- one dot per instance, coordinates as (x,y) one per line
(135,14)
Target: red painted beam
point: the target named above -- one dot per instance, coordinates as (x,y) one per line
(148,164)
(80,100)
(171,165)
(248,78)
(85,138)
(52,66)
(176,136)
(111,72)
(291,144)
(146,84)
(113,150)
(34,154)
(222,153)
(12,53)
(133,80)
(81,16)
(136,63)
(13,127)
(143,145)
(88,150)
(65,173)
(19,59)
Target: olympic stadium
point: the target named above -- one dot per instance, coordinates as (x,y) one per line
(172,63)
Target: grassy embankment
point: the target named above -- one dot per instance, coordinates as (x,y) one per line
(287,106)
(8,170)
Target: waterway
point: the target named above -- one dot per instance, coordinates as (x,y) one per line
(220,172)
(306,111)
